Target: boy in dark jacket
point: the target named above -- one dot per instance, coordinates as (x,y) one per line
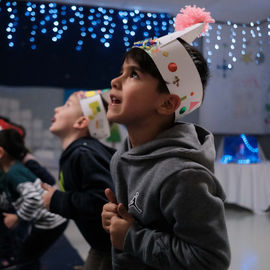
(84,172)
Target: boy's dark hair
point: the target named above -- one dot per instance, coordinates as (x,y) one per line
(199,62)
(147,64)
(13,143)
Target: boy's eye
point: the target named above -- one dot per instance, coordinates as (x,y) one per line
(133,74)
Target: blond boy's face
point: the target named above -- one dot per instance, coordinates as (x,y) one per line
(134,96)
(65,117)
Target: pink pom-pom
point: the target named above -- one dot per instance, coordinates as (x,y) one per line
(192,15)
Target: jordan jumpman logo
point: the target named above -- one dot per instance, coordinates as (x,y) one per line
(133,203)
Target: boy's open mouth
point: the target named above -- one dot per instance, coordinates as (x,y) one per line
(115,100)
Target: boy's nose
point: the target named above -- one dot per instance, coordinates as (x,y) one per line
(57,109)
(115,83)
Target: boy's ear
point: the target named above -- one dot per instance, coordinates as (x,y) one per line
(81,123)
(169,103)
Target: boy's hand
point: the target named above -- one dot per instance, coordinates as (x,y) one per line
(119,226)
(109,210)
(47,196)
(110,196)
(10,220)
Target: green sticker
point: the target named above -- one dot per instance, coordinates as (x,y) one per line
(182,110)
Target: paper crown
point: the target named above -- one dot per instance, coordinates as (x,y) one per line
(174,62)
(93,108)
(7,125)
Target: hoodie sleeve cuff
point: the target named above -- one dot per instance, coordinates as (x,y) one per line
(57,203)
(130,236)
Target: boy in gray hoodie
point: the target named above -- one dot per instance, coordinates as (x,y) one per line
(168,210)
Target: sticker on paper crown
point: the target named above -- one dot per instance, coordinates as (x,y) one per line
(151,45)
(93,108)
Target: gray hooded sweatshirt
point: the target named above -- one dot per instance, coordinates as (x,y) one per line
(169,187)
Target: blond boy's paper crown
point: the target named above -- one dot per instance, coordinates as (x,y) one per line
(93,108)
(174,62)
(6,125)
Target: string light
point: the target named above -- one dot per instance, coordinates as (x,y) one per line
(53,20)
(268,28)
(237,41)
(11,28)
(240,151)
(208,40)
(247,144)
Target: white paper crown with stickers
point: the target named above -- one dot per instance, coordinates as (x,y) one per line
(174,62)
(92,103)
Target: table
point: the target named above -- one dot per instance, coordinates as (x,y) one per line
(246,185)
